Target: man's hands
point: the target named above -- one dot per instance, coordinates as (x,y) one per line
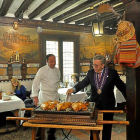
(35,100)
(69,91)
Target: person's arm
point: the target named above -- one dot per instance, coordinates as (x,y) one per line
(36,87)
(80,85)
(23,92)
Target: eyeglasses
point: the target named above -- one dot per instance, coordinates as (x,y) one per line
(96,66)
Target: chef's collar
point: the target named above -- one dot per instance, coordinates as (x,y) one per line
(50,67)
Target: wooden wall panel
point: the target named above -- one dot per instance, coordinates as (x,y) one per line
(3,71)
(32,70)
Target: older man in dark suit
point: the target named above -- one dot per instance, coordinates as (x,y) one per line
(102,81)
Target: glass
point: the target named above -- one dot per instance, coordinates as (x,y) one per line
(62,85)
(2,90)
(94,65)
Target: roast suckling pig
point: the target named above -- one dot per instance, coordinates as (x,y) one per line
(59,106)
(49,105)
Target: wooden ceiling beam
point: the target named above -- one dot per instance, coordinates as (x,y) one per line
(110,32)
(112,21)
(95,19)
(77,9)
(84,20)
(104,17)
(126,1)
(23,7)
(83,14)
(40,8)
(5,7)
(59,8)
(90,18)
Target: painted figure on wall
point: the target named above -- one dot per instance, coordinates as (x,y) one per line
(14,45)
(17,56)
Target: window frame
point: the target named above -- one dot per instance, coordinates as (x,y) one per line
(60,38)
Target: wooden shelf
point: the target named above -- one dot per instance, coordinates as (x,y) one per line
(19,70)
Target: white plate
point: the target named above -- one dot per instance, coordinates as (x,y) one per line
(6,98)
(10,94)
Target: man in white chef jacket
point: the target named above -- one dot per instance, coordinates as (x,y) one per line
(45,85)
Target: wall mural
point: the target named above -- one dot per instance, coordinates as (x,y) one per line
(93,45)
(18,45)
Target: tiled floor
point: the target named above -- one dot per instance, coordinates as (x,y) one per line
(86,135)
(120,136)
(74,135)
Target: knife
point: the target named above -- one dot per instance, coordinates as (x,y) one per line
(68,98)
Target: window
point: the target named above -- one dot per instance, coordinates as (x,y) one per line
(52,48)
(68,58)
(66,50)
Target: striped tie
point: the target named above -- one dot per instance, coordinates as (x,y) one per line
(99,77)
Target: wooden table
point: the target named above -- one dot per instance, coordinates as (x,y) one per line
(95,129)
(14,105)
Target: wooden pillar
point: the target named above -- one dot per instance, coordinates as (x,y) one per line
(133,103)
(132,12)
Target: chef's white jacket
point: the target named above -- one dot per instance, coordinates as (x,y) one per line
(46,83)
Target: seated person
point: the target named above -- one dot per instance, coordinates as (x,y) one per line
(19,90)
(75,80)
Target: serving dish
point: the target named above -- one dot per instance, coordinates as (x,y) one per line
(39,110)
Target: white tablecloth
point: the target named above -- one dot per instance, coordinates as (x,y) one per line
(118,96)
(13,104)
(79,96)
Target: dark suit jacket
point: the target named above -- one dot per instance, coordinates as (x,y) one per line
(106,98)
